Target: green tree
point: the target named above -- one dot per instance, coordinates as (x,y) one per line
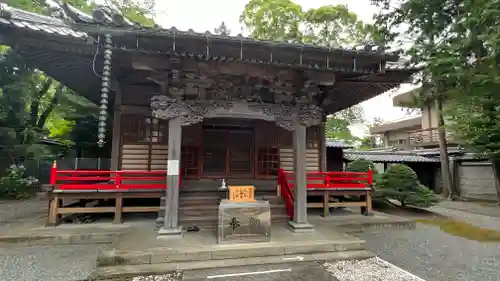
(361,165)
(139,11)
(368,142)
(285,20)
(35,105)
(277,20)
(332,25)
(399,182)
(371,141)
(338,129)
(337,125)
(457,43)
(335,26)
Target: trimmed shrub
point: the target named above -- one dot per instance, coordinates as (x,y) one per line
(361,165)
(399,182)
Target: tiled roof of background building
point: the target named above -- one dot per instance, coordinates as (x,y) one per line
(384,156)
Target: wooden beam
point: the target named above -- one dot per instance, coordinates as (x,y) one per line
(210,68)
(362,82)
(86,210)
(141,209)
(278,46)
(136,110)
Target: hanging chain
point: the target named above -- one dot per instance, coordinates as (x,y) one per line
(105,81)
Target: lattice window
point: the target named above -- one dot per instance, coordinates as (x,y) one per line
(312,137)
(268,162)
(190,161)
(151,130)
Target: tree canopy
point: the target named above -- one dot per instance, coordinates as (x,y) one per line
(285,20)
(457,41)
(332,25)
(371,141)
(34,105)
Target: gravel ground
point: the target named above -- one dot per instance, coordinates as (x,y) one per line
(372,269)
(48,263)
(435,255)
(426,251)
(15,210)
(20,214)
(165,277)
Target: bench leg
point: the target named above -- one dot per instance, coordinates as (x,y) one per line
(118,208)
(367,211)
(326,204)
(53,211)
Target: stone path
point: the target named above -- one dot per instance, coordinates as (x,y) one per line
(309,271)
(435,255)
(490,209)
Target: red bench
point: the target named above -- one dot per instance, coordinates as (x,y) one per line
(85,186)
(330,185)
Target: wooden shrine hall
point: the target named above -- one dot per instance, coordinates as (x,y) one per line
(186,110)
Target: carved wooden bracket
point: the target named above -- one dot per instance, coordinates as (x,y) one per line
(192,112)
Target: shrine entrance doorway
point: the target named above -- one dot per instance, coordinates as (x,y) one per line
(228,152)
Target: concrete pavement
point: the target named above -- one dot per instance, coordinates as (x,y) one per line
(307,271)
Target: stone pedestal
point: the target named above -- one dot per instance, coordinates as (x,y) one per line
(168,233)
(244,222)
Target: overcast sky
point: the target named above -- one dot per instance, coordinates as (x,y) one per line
(202,15)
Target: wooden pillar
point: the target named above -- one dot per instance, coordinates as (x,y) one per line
(171,226)
(117,121)
(455,184)
(54,203)
(118,208)
(322,147)
(299,222)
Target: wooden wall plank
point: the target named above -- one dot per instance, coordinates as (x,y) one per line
(287,159)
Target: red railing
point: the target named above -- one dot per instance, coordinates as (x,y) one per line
(286,192)
(107,180)
(322,180)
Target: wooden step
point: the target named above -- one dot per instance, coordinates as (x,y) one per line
(206,198)
(206,210)
(213,186)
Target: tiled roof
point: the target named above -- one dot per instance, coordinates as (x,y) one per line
(36,22)
(436,152)
(337,144)
(470,156)
(388,157)
(421,152)
(72,16)
(79,36)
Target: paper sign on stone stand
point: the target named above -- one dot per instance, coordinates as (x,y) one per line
(242,219)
